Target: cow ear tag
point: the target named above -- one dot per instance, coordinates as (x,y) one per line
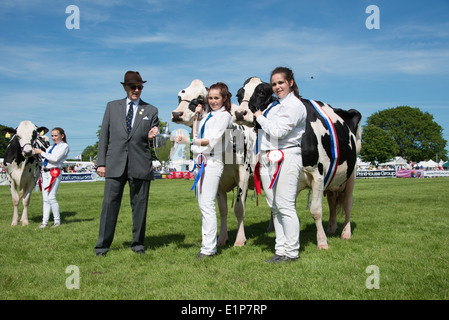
(42,132)
(7,135)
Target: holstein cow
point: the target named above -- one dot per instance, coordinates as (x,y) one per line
(330,145)
(22,167)
(237,170)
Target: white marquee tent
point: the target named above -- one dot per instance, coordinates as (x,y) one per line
(428,164)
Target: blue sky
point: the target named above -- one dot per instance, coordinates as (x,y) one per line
(56,76)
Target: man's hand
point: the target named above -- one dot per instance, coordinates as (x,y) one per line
(101,171)
(153,133)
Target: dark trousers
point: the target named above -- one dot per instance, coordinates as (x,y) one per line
(113,192)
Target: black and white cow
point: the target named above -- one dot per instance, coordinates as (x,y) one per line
(330,145)
(237,172)
(22,167)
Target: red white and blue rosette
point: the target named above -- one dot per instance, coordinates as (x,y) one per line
(275,156)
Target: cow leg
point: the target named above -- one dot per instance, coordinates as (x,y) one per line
(223,209)
(348,201)
(15,215)
(239,210)
(332,202)
(317,214)
(15,203)
(26,201)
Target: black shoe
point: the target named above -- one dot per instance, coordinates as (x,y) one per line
(204,256)
(286,259)
(274,258)
(141,251)
(280,259)
(101,253)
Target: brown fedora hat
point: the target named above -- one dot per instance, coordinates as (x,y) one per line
(132,77)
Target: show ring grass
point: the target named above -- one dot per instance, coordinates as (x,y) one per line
(399,228)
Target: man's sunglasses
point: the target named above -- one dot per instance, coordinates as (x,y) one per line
(134,87)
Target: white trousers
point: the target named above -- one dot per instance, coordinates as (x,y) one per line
(49,198)
(207,194)
(282,199)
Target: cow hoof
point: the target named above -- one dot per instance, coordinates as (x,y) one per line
(24,223)
(323,246)
(239,243)
(14,223)
(221,243)
(345,237)
(331,231)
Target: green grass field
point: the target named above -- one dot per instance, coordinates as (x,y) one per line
(399,225)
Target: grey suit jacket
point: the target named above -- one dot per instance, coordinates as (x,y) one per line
(115,147)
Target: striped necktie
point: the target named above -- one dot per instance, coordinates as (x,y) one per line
(46,161)
(129,117)
(204,124)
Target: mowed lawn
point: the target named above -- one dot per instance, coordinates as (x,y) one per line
(398,249)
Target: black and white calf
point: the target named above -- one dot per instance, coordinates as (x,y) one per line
(22,166)
(330,145)
(238,169)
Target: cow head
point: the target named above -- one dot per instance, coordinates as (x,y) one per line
(25,138)
(254,95)
(188,100)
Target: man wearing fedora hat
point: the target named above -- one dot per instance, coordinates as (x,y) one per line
(124,155)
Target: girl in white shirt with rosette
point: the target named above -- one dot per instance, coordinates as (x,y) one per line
(54,157)
(283,123)
(209,156)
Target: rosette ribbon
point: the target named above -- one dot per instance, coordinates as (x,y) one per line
(54,172)
(200,162)
(275,156)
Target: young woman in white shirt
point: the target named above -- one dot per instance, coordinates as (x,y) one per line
(283,124)
(209,148)
(54,157)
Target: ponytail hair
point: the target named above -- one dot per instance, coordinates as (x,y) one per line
(288,73)
(61,132)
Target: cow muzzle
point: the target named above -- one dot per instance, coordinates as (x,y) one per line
(240,115)
(27,150)
(177,116)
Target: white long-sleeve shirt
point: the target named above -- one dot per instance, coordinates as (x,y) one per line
(215,131)
(283,125)
(57,155)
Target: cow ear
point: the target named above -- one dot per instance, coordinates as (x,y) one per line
(42,130)
(7,132)
(240,94)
